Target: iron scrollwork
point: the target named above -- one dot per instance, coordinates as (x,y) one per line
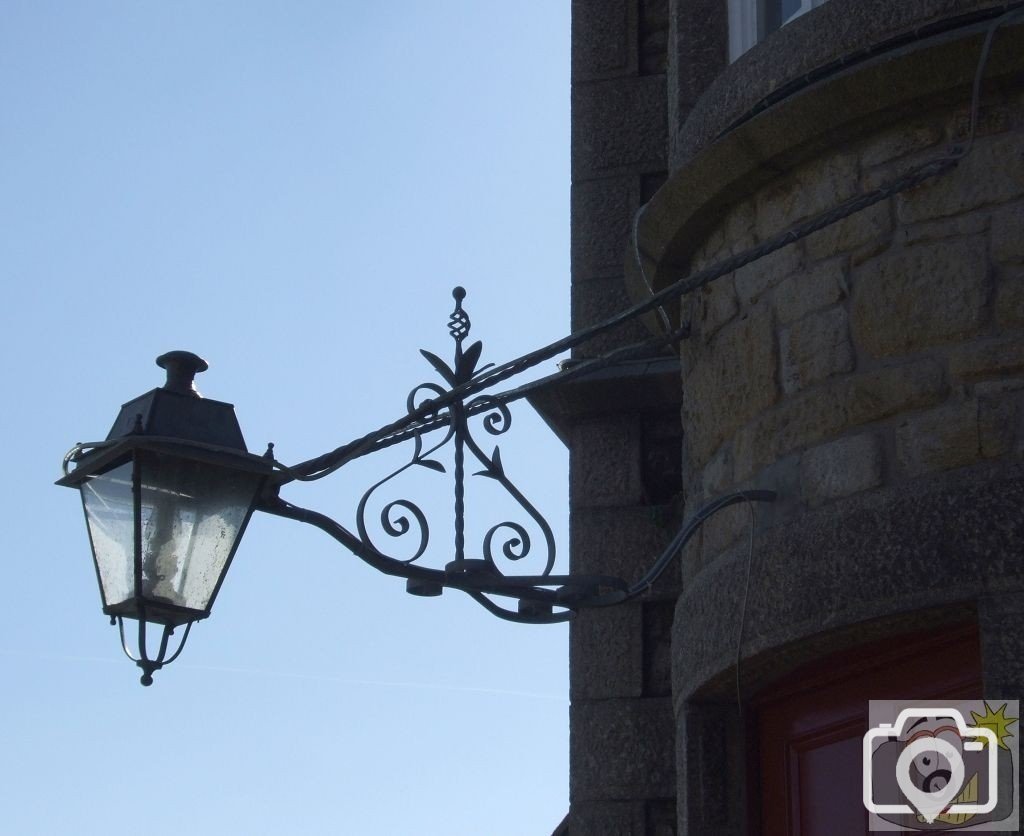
(539,598)
(508,540)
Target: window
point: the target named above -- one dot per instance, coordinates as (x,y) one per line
(752,20)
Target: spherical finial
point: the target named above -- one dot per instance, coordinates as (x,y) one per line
(182,367)
(146,679)
(458,294)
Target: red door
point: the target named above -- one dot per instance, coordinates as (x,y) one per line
(810,726)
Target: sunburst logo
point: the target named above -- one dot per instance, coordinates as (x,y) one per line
(997,721)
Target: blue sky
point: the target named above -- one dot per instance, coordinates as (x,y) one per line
(290,190)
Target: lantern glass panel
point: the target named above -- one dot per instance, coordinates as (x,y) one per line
(107,498)
(192,516)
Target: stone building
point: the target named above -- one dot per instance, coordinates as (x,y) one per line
(871,373)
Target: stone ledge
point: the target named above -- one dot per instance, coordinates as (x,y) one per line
(940,543)
(823,42)
(698,195)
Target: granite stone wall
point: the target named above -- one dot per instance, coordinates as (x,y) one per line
(885,348)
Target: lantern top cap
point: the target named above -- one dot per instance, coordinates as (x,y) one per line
(182,367)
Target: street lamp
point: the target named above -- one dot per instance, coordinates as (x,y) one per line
(166,498)
(168,494)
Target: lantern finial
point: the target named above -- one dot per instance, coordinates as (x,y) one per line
(182,367)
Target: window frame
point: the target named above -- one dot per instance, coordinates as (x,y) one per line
(749,22)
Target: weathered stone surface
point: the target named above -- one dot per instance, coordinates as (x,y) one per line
(707,745)
(809,290)
(602,212)
(607,818)
(959,226)
(717,305)
(597,300)
(900,142)
(604,467)
(988,358)
(624,542)
(718,473)
(1008,234)
(603,38)
(894,296)
(622,749)
(941,439)
(619,124)
(815,187)
(1010,301)
(863,235)
(997,425)
(834,566)
(753,279)
(815,348)
(814,416)
(879,394)
(1001,619)
(606,653)
(733,380)
(992,173)
(722,530)
(841,468)
(657,650)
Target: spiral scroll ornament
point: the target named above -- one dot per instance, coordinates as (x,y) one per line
(402,521)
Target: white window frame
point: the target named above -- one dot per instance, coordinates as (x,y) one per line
(747,23)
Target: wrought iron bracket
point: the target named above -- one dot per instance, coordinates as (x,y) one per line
(481,571)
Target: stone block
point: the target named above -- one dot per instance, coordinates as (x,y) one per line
(841,468)
(959,226)
(1001,619)
(718,473)
(657,650)
(815,348)
(987,359)
(723,530)
(815,187)
(606,653)
(997,425)
(907,139)
(607,818)
(622,749)
(811,417)
(883,393)
(717,306)
(604,466)
(603,38)
(920,297)
(992,173)
(602,215)
(1010,301)
(733,379)
(1008,234)
(940,439)
(597,300)
(753,279)
(624,542)
(619,124)
(810,290)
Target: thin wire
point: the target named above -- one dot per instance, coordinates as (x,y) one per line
(1002,20)
(638,256)
(324,465)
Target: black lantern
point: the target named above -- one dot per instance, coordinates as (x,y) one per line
(167,498)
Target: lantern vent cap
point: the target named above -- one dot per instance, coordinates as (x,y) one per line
(182,367)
